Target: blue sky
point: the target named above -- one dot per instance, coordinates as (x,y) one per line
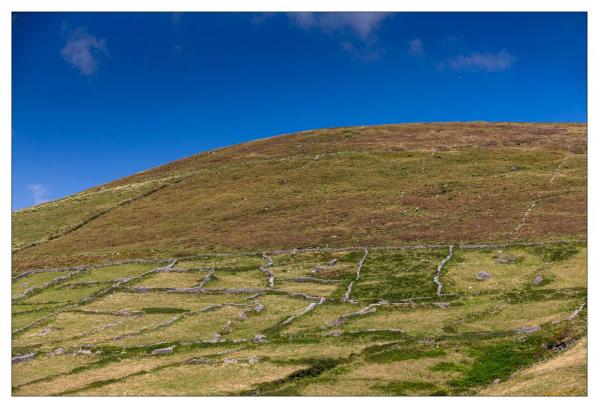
(98,96)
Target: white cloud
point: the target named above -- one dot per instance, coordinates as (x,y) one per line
(39,193)
(82,51)
(363,25)
(487,62)
(416,47)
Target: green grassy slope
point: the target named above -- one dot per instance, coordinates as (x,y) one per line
(379,185)
(185,279)
(93,333)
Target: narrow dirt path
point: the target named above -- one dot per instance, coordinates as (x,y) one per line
(94,216)
(533,204)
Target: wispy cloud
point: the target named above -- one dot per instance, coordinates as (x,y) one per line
(356,32)
(363,25)
(359,30)
(39,193)
(416,47)
(82,50)
(487,62)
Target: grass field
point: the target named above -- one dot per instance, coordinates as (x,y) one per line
(342,261)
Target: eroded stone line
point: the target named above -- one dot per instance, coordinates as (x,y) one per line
(364,311)
(309,279)
(303,251)
(42,270)
(90,266)
(36,289)
(347,295)
(270,276)
(98,294)
(437,277)
(235,291)
(205,280)
(308,309)
(172,320)
(23,357)
(576,312)
(572,315)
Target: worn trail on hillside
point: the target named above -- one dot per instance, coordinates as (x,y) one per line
(93,217)
(538,197)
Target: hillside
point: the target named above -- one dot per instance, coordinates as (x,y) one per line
(420,259)
(379,185)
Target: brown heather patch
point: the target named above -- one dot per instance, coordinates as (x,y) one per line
(380,185)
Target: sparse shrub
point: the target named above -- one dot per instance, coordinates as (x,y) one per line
(556,253)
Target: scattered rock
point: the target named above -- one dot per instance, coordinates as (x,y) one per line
(527,329)
(259,338)
(123,313)
(442,305)
(165,350)
(199,360)
(259,307)
(140,290)
(83,351)
(121,280)
(45,331)
(496,381)
(23,357)
(253,360)
(242,316)
(315,269)
(56,352)
(482,275)
(230,361)
(333,333)
(216,338)
(332,262)
(506,259)
(537,280)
